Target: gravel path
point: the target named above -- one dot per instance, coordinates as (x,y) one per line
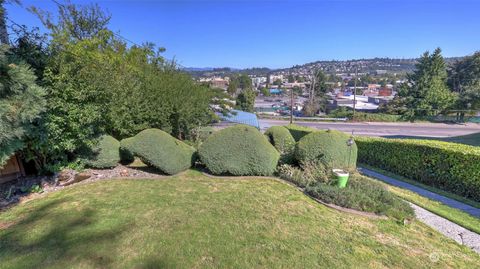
(448,228)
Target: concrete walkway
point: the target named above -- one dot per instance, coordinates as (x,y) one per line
(428,194)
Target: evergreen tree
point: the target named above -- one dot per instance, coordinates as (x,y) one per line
(21,102)
(246,100)
(465,80)
(426,92)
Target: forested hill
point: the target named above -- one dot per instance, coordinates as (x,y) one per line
(388,65)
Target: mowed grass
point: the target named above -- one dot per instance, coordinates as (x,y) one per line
(471,139)
(192,221)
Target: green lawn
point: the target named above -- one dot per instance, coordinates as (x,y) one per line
(471,139)
(192,221)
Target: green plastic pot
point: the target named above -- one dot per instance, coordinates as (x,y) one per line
(342,177)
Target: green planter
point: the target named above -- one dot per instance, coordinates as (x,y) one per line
(342,177)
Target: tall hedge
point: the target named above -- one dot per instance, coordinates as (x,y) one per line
(330,147)
(105,154)
(283,141)
(239,150)
(162,151)
(448,166)
(299,131)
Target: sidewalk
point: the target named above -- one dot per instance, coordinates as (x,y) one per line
(428,194)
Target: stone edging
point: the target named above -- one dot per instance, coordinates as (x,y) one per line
(336,207)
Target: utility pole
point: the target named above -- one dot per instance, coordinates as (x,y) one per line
(291,106)
(355,91)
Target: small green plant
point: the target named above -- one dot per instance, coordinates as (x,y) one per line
(308,173)
(31,189)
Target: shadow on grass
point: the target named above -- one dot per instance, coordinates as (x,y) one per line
(52,236)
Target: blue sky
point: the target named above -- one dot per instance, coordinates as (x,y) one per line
(284,33)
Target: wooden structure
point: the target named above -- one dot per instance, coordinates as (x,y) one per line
(13,169)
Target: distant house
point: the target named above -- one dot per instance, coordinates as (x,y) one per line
(219,83)
(373,87)
(385,91)
(13,169)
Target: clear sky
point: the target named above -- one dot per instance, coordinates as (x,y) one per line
(284,33)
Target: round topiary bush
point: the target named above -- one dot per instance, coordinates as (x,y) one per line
(162,151)
(330,147)
(283,141)
(126,155)
(105,154)
(239,150)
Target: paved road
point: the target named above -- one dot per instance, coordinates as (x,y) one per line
(386,129)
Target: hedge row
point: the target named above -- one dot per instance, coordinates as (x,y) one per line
(299,131)
(447,166)
(240,150)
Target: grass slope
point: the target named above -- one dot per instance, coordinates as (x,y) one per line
(471,139)
(191,221)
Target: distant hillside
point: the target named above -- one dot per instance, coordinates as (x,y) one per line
(372,66)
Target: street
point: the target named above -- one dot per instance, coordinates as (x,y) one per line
(386,129)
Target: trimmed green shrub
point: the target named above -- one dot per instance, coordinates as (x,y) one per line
(126,155)
(162,151)
(239,150)
(105,154)
(299,131)
(362,194)
(448,166)
(283,141)
(330,147)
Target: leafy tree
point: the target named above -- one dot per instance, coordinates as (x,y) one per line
(265,91)
(464,77)
(317,99)
(277,82)
(97,84)
(246,100)
(297,90)
(21,102)
(291,78)
(245,82)
(233,86)
(426,92)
